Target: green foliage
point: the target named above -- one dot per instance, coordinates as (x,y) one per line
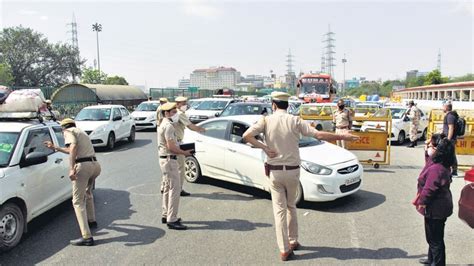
(116,80)
(34,61)
(93,76)
(371,88)
(416,82)
(467,77)
(434,77)
(6,76)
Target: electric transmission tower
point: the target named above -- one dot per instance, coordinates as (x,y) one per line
(329,51)
(439,61)
(74,42)
(289,63)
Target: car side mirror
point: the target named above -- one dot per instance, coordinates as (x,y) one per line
(117,118)
(33,158)
(406,119)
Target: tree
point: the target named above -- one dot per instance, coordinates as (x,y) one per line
(467,77)
(434,77)
(116,80)
(34,61)
(93,76)
(6,76)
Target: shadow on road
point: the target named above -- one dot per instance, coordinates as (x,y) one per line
(229,224)
(222,196)
(124,145)
(353,253)
(378,171)
(51,232)
(251,191)
(360,201)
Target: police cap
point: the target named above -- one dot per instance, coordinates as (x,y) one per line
(180,99)
(163,100)
(280,96)
(168,106)
(67,121)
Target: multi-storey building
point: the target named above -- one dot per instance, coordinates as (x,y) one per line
(215,78)
(184,83)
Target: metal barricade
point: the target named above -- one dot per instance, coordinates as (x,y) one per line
(375,140)
(464,144)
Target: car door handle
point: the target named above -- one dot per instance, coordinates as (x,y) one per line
(231,150)
(58,161)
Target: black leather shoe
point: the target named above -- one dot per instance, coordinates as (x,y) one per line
(83,242)
(184,193)
(93,225)
(425,261)
(412,145)
(177,225)
(163,220)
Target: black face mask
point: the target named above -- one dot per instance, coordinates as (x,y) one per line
(341,106)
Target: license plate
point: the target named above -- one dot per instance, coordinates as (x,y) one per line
(351,181)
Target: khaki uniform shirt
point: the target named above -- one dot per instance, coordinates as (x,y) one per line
(181,125)
(159,116)
(166,132)
(282,133)
(83,143)
(342,118)
(414,114)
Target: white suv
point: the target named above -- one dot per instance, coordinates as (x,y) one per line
(33,178)
(208,108)
(106,124)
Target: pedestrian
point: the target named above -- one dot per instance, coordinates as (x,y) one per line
(449,124)
(83,170)
(414,114)
(180,126)
(342,120)
(434,200)
(168,149)
(282,132)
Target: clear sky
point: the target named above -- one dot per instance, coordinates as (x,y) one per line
(155,43)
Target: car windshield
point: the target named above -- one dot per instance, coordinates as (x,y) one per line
(319,88)
(243,109)
(7,146)
(94,114)
(193,103)
(397,113)
(211,105)
(308,141)
(147,107)
(362,108)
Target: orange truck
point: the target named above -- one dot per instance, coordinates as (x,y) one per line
(316,88)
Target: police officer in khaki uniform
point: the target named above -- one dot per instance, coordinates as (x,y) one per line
(414,115)
(168,149)
(282,132)
(83,170)
(159,117)
(342,120)
(180,126)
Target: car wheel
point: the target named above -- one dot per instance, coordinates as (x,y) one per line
(299,195)
(12,224)
(192,170)
(401,137)
(131,137)
(111,141)
(424,135)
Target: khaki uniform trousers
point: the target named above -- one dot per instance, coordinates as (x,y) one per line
(181,168)
(283,187)
(82,196)
(340,131)
(414,130)
(171,189)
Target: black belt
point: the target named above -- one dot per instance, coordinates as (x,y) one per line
(87,159)
(343,127)
(281,167)
(172,157)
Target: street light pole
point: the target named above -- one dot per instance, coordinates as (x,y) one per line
(344,60)
(97,28)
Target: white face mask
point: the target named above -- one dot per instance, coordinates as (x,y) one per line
(183,108)
(430,151)
(175,118)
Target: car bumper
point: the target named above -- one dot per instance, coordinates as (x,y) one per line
(328,188)
(99,139)
(145,124)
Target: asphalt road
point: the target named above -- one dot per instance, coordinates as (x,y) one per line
(232,224)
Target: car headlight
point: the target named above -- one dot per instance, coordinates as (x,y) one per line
(315,168)
(101,129)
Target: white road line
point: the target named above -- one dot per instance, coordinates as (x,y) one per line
(353,231)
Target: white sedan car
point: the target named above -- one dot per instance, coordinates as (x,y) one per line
(106,124)
(400,125)
(145,115)
(328,172)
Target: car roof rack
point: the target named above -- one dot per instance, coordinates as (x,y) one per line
(21,116)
